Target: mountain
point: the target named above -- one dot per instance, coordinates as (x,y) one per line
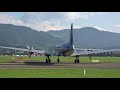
(86,37)
(19,36)
(89,37)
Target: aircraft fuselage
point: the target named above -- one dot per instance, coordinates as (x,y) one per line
(64,49)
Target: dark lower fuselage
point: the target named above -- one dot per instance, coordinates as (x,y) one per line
(65,49)
(64,52)
(68,52)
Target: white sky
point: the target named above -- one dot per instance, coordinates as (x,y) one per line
(44,21)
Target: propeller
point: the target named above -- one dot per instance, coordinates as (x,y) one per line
(30,48)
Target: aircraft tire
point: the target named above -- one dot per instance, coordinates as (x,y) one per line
(78,61)
(46,61)
(49,61)
(75,61)
(58,60)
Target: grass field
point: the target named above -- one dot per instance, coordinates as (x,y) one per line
(59,73)
(4,59)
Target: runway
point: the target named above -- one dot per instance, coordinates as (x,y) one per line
(36,64)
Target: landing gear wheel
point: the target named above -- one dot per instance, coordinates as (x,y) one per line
(46,61)
(58,60)
(78,61)
(75,61)
(49,61)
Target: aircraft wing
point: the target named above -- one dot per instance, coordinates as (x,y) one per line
(87,51)
(21,49)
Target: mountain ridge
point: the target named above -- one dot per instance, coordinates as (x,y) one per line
(86,37)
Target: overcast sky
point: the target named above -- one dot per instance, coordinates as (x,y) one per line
(44,21)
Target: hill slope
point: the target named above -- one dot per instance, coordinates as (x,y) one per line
(89,37)
(11,35)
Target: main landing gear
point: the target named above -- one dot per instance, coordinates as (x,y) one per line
(30,53)
(58,60)
(48,60)
(77,59)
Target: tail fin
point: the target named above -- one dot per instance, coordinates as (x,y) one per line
(71,35)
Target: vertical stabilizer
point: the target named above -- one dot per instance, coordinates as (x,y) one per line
(71,35)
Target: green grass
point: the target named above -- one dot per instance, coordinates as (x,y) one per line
(59,73)
(4,59)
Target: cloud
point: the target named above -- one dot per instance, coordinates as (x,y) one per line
(6,19)
(99,28)
(117,26)
(35,17)
(44,21)
(54,20)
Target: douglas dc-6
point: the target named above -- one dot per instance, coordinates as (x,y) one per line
(64,49)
